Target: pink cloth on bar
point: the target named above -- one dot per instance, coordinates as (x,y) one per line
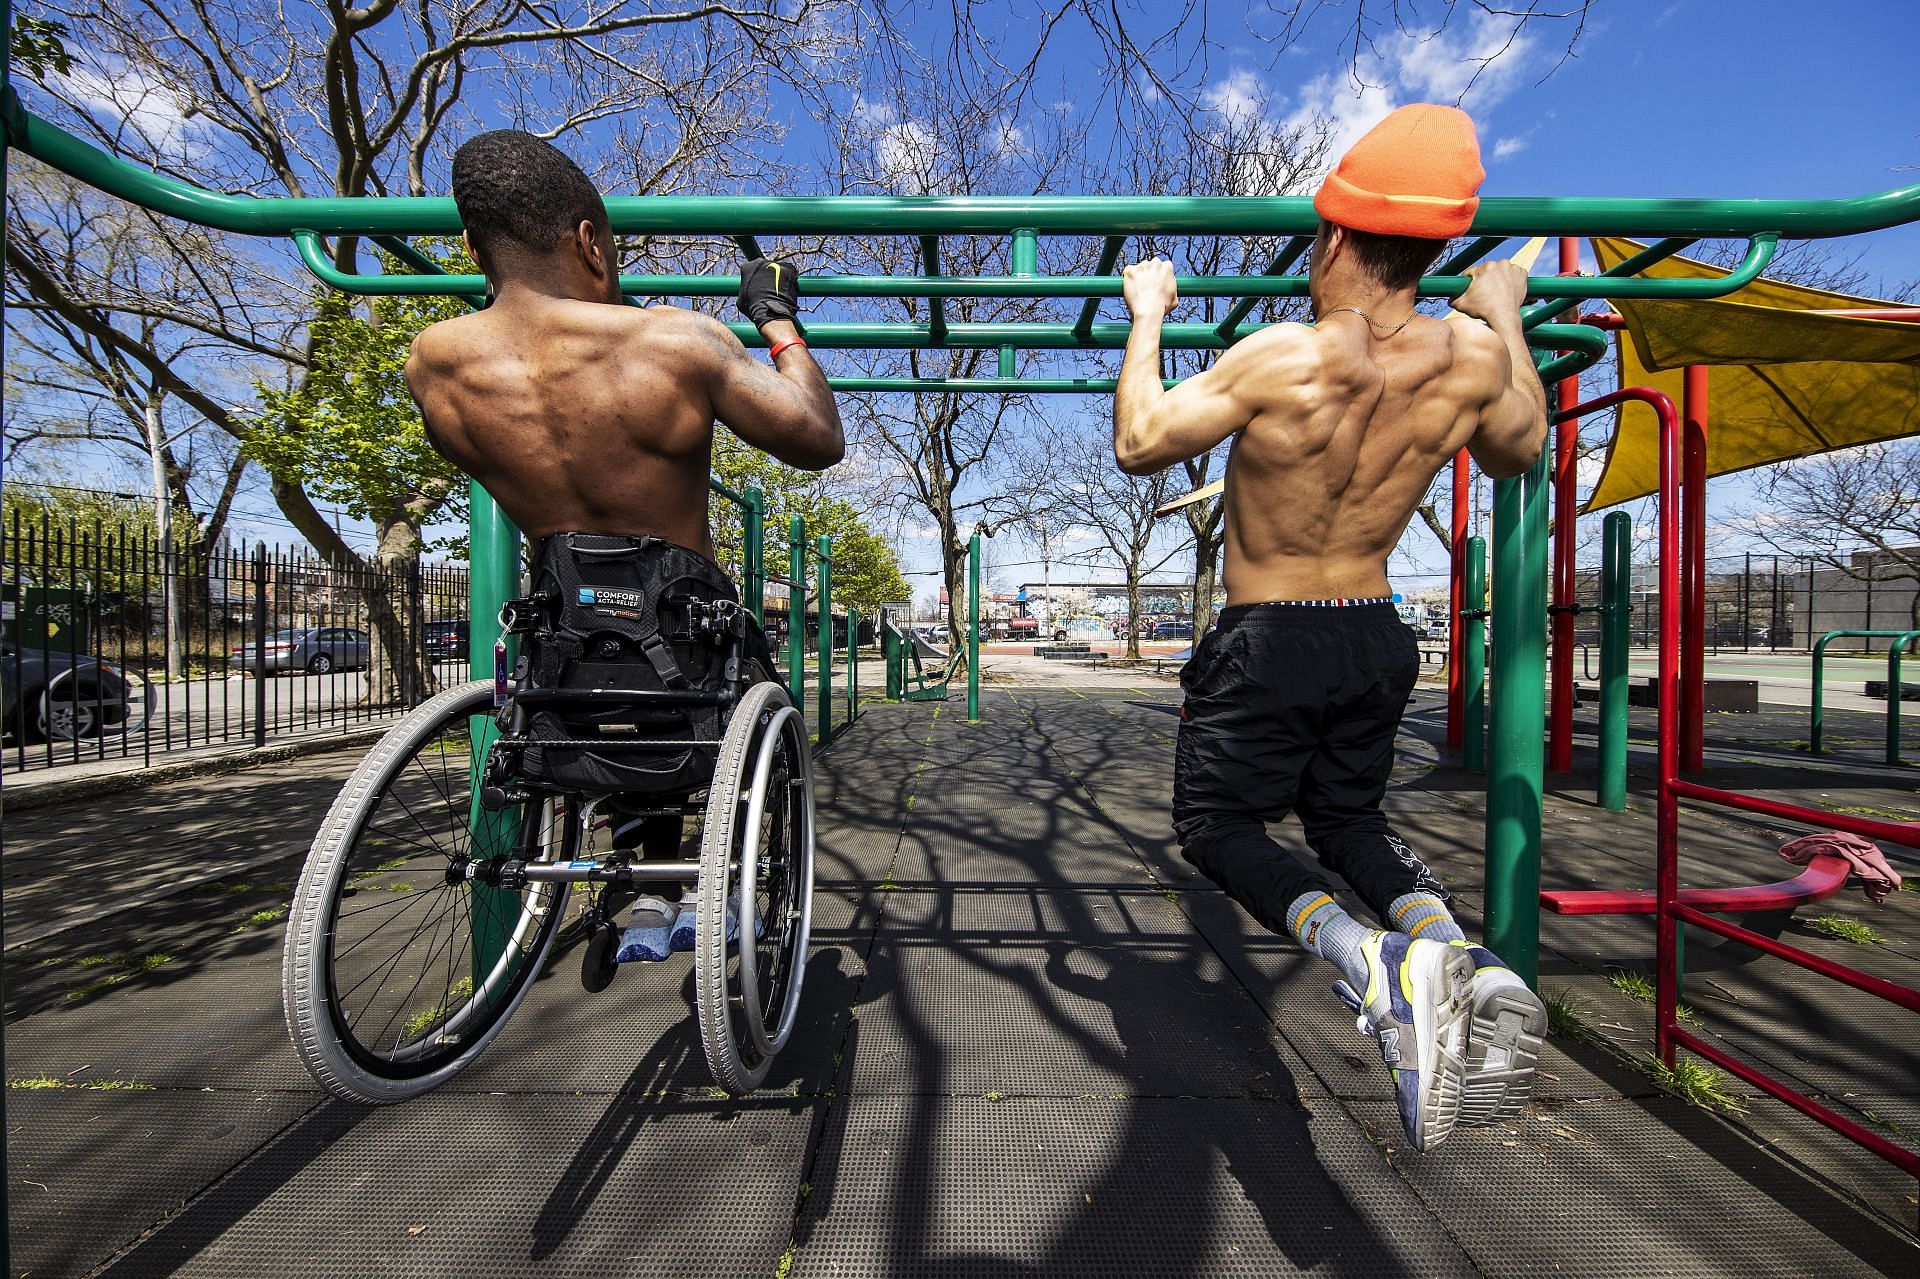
(1877,878)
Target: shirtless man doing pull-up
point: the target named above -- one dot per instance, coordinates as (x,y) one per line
(1294,698)
(580,414)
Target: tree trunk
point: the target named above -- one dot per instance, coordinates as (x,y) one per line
(953,570)
(173,601)
(1206,574)
(1133,609)
(398,672)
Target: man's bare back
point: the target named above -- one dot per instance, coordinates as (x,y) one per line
(591,417)
(1339,431)
(577,412)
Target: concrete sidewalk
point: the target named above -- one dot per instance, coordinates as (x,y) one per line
(1031,1043)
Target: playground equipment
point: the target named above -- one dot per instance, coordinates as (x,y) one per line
(1901,642)
(801,552)
(1519,537)
(907,653)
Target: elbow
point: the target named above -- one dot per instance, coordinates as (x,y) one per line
(1133,458)
(823,449)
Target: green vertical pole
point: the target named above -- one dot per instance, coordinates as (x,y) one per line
(853,665)
(1473,657)
(493,577)
(973,628)
(1818,727)
(1894,651)
(1616,583)
(1516,750)
(797,612)
(6,1211)
(1022,259)
(753,554)
(890,655)
(825,674)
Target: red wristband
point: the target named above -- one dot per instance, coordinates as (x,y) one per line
(773,352)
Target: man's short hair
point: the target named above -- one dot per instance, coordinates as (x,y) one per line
(515,191)
(1392,261)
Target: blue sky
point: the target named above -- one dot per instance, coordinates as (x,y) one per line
(1667,98)
(1671,98)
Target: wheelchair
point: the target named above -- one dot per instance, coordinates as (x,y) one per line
(438,882)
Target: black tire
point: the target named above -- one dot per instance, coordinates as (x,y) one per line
(381,858)
(748,989)
(1059,637)
(319,664)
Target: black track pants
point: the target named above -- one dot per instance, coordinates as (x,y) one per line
(1294,708)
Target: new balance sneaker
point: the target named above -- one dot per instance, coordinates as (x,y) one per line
(1417,1006)
(1509,1023)
(649,925)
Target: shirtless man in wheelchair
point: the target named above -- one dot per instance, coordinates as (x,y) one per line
(435,888)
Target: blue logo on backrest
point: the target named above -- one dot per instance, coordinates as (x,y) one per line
(586,595)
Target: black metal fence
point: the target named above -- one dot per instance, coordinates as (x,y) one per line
(1770,603)
(119,648)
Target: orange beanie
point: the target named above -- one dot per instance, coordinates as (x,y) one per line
(1415,173)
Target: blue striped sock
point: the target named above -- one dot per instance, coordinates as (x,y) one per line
(1424,916)
(1329,932)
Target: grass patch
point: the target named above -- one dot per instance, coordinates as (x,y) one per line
(1631,984)
(995,1096)
(419,1022)
(1682,1013)
(236,888)
(261,919)
(127,967)
(785,1267)
(1566,1015)
(1870,810)
(1701,1085)
(1851,930)
(85,1085)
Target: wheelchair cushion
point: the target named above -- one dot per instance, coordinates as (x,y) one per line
(629,613)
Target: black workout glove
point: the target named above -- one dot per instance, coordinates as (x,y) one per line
(769,291)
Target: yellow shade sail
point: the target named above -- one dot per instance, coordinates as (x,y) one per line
(1785,383)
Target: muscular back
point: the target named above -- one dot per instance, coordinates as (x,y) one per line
(1345,437)
(582,417)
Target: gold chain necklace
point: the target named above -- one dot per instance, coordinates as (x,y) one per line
(1372,323)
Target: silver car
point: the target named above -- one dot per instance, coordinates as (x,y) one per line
(313,649)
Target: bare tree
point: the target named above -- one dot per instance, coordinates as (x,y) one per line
(1118,508)
(1835,506)
(946,126)
(258,97)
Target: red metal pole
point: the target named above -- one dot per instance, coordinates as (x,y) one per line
(1666,886)
(1693,565)
(1566,446)
(1456,600)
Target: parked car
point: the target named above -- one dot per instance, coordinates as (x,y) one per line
(1173,630)
(48,695)
(446,641)
(314,649)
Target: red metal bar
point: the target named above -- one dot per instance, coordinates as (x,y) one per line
(1824,877)
(1906,834)
(1880,987)
(1457,598)
(1899,1156)
(1693,567)
(1566,447)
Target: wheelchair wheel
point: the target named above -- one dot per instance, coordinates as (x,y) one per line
(397,974)
(756,889)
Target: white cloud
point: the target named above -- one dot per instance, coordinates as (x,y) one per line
(157,113)
(1240,99)
(1509,146)
(905,153)
(1473,63)
(1004,138)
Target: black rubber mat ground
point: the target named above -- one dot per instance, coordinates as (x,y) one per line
(1032,1043)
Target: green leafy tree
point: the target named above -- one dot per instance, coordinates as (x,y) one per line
(350,433)
(37,46)
(866,568)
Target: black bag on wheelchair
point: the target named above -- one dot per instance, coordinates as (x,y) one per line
(635,614)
